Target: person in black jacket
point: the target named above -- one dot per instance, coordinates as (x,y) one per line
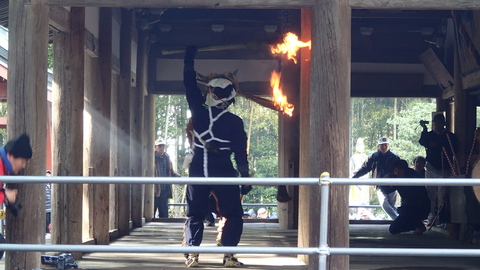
(380,164)
(217,134)
(415,202)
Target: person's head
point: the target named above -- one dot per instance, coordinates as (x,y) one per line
(220,93)
(419,163)
(439,122)
(48,173)
(400,167)
(262,213)
(160,147)
(383,144)
(18,152)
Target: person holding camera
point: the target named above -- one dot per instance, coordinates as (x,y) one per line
(440,145)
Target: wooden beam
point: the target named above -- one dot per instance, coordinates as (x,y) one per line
(414,4)
(60,18)
(438,72)
(389,85)
(137,127)
(471,81)
(243,4)
(123,121)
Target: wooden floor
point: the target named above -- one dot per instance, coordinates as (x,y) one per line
(269,234)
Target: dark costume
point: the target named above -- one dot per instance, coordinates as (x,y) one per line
(163,192)
(218,134)
(415,205)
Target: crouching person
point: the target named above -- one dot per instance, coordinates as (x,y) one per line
(415,205)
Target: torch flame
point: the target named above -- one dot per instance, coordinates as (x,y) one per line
(290,46)
(279,99)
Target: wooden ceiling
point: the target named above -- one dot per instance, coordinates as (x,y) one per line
(381,39)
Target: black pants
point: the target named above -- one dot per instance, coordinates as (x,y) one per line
(409,218)
(161,204)
(198,207)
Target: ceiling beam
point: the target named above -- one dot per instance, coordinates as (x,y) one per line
(225,4)
(252,4)
(415,4)
(60,19)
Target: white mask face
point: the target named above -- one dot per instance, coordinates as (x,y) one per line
(212,100)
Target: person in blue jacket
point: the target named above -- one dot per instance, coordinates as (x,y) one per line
(218,134)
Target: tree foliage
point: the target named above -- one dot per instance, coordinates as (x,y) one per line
(376,117)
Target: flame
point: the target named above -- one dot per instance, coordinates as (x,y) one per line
(279,99)
(290,46)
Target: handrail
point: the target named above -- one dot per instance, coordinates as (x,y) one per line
(323,250)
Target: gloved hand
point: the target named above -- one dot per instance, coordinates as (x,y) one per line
(244,189)
(190,53)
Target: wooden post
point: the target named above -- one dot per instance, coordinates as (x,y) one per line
(304,112)
(27,112)
(288,144)
(148,141)
(123,121)
(136,127)
(67,119)
(97,128)
(329,119)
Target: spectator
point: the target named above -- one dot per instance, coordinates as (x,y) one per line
(415,202)
(262,213)
(440,146)
(380,164)
(163,168)
(48,204)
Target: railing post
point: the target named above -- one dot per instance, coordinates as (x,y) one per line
(324,199)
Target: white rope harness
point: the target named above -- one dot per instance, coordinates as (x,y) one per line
(212,138)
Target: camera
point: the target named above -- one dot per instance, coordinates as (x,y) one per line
(62,261)
(423,122)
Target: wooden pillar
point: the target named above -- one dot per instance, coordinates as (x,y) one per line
(27,112)
(136,127)
(97,128)
(148,142)
(288,142)
(123,121)
(329,120)
(67,120)
(304,155)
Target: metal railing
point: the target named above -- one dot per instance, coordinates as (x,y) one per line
(323,250)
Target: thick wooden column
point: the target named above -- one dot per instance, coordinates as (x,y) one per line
(67,120)
(148,142)
(304,155)
(97,128)
(123,121)
(27,112)
(137,129)
(288,143)
(329,119)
